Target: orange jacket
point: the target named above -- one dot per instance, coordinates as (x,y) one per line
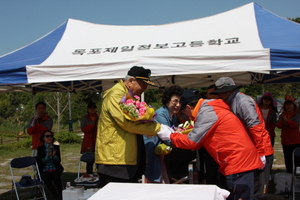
(268,148)
(223,136)
(89,128)
(36,131)
(290,133)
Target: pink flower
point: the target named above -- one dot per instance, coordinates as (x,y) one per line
(142,111)
(136,110)
(138,104)
(128,101)
(137,97)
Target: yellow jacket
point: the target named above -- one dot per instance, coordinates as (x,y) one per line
(116,142)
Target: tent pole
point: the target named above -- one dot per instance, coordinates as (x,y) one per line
(143,96)
(33,101)
(70,113)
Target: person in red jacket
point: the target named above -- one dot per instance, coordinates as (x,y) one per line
(289,122)
(268,107)
(224,137)
(89,128)
(37,125)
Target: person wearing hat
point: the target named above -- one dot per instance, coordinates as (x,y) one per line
(210,89)
(224,137)
(212,174)
(120,151)
(268,107)
(246,109)
(89,128)
(289,122)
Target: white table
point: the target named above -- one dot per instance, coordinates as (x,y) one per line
(132,191)
(78,193)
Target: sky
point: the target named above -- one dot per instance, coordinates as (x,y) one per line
(24,21)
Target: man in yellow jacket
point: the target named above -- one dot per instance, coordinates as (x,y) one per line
(120,151)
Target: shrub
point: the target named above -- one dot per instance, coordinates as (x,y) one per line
(12,146)
(67,137)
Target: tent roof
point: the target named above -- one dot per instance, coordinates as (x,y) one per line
(190,53)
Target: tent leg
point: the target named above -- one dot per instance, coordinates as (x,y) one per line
(70,113)
(33,102)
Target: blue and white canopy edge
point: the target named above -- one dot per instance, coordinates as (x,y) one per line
(190,53)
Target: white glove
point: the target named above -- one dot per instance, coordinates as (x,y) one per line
(263,160)
(165,132)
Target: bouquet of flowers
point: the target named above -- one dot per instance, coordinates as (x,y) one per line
(136,110)
(185,127)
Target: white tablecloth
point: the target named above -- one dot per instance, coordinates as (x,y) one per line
(131,191)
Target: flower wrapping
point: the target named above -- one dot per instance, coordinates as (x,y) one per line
(163,149)
(136,110)
(184,128)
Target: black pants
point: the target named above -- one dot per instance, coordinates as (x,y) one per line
(52,180)
(288,156)
(89,168)
(240,186)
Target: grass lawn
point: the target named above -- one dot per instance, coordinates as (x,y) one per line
(69,155)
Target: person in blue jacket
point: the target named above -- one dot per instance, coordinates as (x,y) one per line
(156,168)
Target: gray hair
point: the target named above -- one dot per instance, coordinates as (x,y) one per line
(127,77)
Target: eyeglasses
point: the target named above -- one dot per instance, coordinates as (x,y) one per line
(175,101)
(48,136)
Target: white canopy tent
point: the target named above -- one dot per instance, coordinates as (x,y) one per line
(80,55)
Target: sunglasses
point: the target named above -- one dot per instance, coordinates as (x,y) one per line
(48,136)
(268,99)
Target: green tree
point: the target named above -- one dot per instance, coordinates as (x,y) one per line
(252,90)
(153,97)
(297,19)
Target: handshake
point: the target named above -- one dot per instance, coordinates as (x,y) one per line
(165,132)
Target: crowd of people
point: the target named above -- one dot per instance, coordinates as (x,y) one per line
(232,138)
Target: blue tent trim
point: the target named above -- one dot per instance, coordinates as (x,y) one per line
(282,77)
(70,86)
(13,65)
(281,36)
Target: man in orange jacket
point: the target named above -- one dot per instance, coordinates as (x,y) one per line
(225,139)
(37,125)
(246,109)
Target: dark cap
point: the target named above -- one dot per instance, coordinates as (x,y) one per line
(189,96)
(140,73)
(224,84)
(91,105)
